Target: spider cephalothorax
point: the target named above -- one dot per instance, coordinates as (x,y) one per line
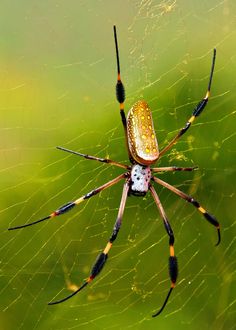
(140,178)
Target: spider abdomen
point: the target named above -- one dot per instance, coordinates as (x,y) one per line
(141,135)
(140,179)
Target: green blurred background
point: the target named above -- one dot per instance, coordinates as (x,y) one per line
(57,78)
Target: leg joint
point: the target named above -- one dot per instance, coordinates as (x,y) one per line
(185,128)
(194,202)
(114,233)
(169,231)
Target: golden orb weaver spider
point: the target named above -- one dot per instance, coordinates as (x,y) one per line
(143,151)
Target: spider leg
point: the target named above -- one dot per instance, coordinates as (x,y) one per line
(174,168)
(120,94)
(102,257)
(68,206)
(103,160)
(196,112)
(120,89)
(209,217)
(173,266)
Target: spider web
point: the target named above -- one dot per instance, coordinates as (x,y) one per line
(57,88)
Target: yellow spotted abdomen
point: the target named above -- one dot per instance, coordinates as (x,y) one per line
(142,140)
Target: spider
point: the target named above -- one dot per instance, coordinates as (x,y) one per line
(143,152)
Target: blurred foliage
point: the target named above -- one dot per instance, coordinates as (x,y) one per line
(57,77)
